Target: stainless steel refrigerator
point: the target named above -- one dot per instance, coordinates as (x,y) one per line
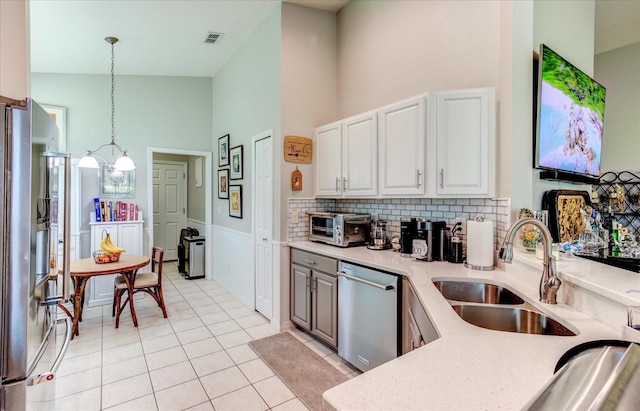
(31,219)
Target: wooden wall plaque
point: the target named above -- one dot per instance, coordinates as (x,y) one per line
(298,149)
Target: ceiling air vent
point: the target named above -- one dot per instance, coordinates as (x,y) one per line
(213,38)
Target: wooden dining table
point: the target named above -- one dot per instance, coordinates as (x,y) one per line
(82,270)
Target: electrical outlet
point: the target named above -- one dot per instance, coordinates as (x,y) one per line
(294,217)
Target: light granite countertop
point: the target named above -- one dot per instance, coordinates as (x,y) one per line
(469,367)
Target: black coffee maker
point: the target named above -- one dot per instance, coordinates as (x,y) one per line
(439,240)
(407,233)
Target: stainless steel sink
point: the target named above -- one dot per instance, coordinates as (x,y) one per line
(476,292)
(512,319)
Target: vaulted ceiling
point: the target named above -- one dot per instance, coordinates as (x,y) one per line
(167,37)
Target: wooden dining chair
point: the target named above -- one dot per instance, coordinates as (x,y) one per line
(150,283)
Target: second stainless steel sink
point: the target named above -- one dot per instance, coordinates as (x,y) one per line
(511,319)
(495,307)
(477,292)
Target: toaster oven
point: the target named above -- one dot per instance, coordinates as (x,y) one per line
(339,229)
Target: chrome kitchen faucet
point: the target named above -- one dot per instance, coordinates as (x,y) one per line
(549,282)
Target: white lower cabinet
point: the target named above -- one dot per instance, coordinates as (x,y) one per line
(314,295)
(127,235)
(464,122)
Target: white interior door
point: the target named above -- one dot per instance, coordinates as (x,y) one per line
(169,206)
(263,224)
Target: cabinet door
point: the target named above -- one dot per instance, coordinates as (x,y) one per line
(327,158)
(300,296)
(465,140)
(360,155)
(124,235)
(99,231)
(100,287)
(401,140)
(325,307)
(130,238)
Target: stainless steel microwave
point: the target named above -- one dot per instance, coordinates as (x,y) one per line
(339,229)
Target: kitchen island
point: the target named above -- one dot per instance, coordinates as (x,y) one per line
(473,368)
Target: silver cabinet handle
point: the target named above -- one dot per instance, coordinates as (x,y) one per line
(264,239)
(362,280)
(337,184)
(344,183)
(418,174)
(442,178)
(309,261)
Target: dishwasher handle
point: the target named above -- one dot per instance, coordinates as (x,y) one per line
(386,287)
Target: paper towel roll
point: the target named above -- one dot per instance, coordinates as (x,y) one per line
(480,244)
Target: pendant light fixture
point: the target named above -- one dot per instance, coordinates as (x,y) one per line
(123,162)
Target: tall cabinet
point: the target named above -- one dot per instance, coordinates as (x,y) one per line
(125,234)
(465,142)
(401,140)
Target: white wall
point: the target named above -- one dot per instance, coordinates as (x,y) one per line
(246,101)
(172,112)
(568,27)
(619,71)
(15,64)
(308,89)
(391,50)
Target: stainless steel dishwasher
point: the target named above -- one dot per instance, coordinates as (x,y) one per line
(368,332)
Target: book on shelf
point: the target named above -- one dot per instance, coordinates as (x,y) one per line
(114,210)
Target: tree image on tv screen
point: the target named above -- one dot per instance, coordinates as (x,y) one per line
(571,117)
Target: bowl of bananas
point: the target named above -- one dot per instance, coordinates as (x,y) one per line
(109,253)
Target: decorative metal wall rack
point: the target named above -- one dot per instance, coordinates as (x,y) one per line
(619,198)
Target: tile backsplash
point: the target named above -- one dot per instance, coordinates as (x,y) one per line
(391,210)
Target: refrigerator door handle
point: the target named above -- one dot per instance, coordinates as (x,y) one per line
(66,246)
(50,375)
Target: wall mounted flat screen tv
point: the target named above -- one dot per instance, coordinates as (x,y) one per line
(570,121)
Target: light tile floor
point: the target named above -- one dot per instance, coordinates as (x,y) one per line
(197,359)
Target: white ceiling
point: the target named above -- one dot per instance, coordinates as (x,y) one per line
(157,37)
(166,37)
(617,24)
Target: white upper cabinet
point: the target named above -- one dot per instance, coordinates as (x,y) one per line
(345,157)
(437,144)
(401,141)
(327,160)
(465,143)
(360,155)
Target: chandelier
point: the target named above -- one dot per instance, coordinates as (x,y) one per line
(123,162)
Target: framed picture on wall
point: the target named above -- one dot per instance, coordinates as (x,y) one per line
(236,163)
(223,151)
(235,201)
(223,183)
(117,184)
